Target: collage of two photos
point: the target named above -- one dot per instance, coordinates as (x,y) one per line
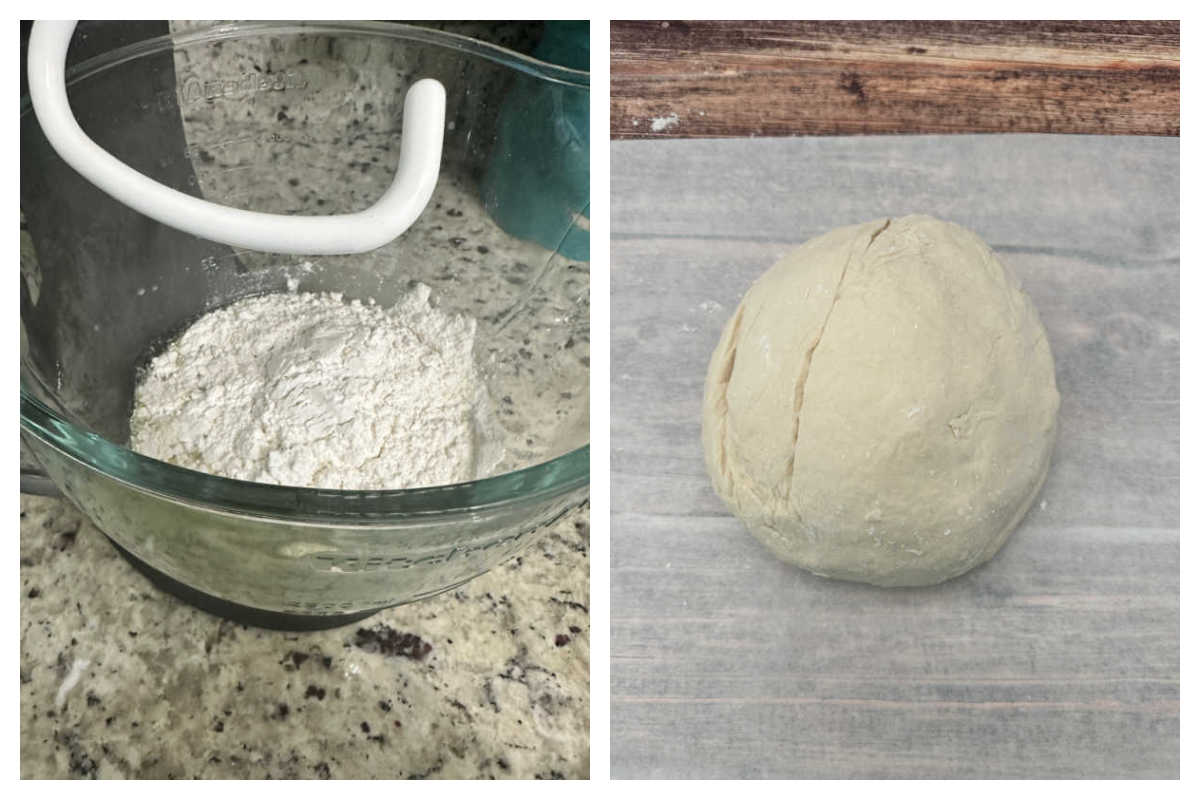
(892,336)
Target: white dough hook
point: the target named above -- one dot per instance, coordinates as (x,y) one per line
(411,189)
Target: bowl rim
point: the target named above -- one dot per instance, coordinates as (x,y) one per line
(397,30)
(540,482)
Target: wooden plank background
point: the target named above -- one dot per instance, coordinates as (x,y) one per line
(1057,659)
(729,79)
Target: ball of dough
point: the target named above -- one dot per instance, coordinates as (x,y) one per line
(882,405)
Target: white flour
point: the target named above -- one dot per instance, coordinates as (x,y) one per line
(309,390)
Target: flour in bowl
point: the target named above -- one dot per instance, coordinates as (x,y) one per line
(311,390)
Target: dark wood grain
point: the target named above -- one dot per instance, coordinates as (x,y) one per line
(725,79)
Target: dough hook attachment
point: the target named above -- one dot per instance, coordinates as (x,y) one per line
(391,215)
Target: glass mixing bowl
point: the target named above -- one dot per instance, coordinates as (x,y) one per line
(305,119)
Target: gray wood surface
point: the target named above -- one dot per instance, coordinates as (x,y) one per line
(1060,657)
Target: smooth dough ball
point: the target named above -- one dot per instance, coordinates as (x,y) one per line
(882,405)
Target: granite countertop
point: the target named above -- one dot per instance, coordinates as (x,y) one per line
(121,680)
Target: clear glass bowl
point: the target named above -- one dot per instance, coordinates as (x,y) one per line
(305,119)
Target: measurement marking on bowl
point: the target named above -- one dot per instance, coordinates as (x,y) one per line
(356,564)
(195,90)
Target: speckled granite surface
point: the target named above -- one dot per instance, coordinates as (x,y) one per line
(121,680)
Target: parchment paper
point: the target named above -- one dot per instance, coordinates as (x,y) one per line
(1060,657)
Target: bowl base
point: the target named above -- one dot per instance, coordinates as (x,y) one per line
(245,615)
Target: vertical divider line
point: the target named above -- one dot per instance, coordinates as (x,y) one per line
(600,396)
